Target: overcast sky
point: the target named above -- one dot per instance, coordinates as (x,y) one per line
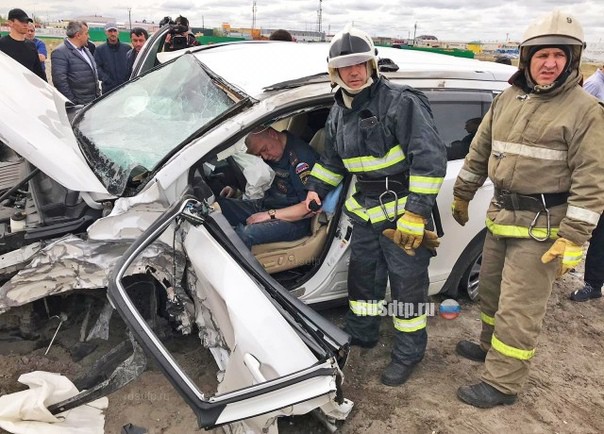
(446,19)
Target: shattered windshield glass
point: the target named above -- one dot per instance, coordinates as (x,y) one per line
(126,134)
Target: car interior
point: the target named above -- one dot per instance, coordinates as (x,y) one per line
(291,262)
(287,261)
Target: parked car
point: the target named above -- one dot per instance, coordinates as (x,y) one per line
(123,198)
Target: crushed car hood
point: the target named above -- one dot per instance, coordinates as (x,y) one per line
(34,124)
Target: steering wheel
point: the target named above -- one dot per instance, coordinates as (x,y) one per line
(237,172)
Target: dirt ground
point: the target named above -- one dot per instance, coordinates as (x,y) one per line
(564,394)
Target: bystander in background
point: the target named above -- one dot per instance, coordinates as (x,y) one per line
(594,260)
(110,59)
(138,37)
(40,46)
(17,46)
(74,71)
(281,35)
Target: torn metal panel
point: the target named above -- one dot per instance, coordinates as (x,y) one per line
(129,217)
(73,263)
(100,329)
(14,261)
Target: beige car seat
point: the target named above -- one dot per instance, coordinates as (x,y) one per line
(285,255)
(297,124)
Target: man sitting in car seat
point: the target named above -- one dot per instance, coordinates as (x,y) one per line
(281,214)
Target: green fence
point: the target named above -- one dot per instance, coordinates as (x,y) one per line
(98,35)
(457,52)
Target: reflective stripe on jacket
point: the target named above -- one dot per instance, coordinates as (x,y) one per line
(389,131)
(551,142)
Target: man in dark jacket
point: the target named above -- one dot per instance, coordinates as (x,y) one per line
(73,67)
(384,134)
(180,35)
(138,37)
(111,59)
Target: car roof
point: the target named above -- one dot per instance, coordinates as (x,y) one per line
(254,66)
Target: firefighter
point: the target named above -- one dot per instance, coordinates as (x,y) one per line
(385,135)
(541,146)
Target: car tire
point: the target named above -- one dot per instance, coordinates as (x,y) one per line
(465,276)
(471,276)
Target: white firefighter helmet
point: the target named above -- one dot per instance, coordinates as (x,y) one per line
(556,28)
(351,47)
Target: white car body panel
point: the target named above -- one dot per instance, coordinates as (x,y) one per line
(34,124)
(311,59)
(261,345)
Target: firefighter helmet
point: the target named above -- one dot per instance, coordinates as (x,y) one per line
(555,29)
(351,47)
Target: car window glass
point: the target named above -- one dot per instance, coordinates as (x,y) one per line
(138,125)
(456,123)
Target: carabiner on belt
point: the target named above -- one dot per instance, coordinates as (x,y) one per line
(387,193)
(534,222)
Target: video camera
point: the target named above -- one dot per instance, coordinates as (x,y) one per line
(178,30)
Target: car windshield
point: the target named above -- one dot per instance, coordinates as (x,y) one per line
(126,134)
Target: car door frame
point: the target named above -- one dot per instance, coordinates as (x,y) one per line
(326,339)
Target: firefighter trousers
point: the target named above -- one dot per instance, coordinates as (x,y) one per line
(374,258)
(594,261)
(514,289)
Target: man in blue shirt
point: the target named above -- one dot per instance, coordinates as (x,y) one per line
(40,46)
(281,215)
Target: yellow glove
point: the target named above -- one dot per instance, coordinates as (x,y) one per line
(570,253)
(410,228)
(459,208)
(430,240)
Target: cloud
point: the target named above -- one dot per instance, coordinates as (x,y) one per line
(446,19)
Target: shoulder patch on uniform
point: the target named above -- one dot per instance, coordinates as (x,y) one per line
(302,167)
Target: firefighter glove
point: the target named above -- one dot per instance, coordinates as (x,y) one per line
(430,241)
(459,208)
(570,253)
(410,230)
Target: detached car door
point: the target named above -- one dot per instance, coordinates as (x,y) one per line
(275,356)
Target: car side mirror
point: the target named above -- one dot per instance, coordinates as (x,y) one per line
(387,65)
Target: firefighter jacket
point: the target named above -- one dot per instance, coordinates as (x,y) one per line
(533,143)
(388,132)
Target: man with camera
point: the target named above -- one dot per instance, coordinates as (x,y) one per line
(179,36)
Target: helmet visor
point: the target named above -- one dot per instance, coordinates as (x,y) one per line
(349,60)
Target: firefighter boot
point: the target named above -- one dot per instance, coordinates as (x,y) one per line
(356,342)
(483,395)
(396,374)
(471,351)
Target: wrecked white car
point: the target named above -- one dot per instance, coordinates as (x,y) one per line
(120,195)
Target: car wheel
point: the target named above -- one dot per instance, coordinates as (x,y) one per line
(464,277)
(471,276)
